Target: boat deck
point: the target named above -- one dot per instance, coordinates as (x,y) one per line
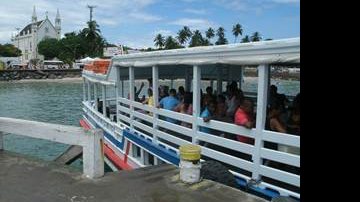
(27,179)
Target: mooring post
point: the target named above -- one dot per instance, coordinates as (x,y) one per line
(93,154)
(1,141)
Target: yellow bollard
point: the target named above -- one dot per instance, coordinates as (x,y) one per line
(190,163)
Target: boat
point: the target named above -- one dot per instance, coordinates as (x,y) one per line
(138,135)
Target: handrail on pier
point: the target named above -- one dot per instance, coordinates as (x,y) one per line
(91,140)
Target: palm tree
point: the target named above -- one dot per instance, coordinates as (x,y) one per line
(221,36)
(237,30)
(184,34)
(92,31)
(197,39)
(255,37)
(159,41)
(94,38)
(246,39)
(171,43)
(210,33)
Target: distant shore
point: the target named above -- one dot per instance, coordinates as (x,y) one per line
(46,74)
(62,80)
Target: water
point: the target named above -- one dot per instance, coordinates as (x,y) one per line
(60,102)
(53,102)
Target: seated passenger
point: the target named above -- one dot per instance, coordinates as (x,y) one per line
(185,107)
(274,122)
(293,123)
(169,103)
(181,93)
(232,102)
(220,112)
(244,117)
(208,97)
(207,114)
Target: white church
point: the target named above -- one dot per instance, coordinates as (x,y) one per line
(29,37)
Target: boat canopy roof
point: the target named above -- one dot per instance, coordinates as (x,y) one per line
(284,51)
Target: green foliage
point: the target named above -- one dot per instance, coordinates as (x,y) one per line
(86,42)
(171,43)
(159,41)
(9,50)
(237,30)
(246,39)
(183,35)
(221,36)
(197,39)
(49,48)
(256,37)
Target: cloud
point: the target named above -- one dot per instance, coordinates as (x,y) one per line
(74,14)
(163,32)
(285,1)
(200,24)
(144,17)
(196,11)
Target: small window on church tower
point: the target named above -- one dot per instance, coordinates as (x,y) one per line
(46,29)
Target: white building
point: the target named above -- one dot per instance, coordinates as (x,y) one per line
(29,37)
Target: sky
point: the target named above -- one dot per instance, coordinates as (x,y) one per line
(135,23)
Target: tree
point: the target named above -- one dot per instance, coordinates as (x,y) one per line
(246,39)
(210,33)
(69,47)
(197,39)
(221,36)
(255,37)
(171,43)
(95,41)
(237,30)
(159,41)
(9,50)
(49,48)
(183,35)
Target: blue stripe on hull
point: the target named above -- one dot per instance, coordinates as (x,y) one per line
(155,149)
(172,157)
(117,143)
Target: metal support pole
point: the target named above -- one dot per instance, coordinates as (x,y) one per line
(260,117)
(196,101)
(104,99)
(132,95)
(96,96)
(88,91)
(155,88)
(84,89)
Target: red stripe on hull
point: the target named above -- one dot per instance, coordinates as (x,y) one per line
(84,124)
(115,159)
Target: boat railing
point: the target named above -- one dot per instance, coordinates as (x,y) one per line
(141,119)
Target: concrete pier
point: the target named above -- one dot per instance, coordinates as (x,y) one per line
(26,179)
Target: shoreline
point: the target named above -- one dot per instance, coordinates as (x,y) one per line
(62,80)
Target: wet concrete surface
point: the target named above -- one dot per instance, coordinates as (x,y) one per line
(28,179)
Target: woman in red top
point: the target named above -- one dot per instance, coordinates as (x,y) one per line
(244,117)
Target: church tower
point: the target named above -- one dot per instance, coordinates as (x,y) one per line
(33,43)
(58,25)
(34,18)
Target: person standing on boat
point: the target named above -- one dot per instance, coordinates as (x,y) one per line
(150,100)
(244,117)
(170,102)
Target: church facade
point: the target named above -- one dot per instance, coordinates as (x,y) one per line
(29,37)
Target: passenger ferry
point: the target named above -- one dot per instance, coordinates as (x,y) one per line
(138,135)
